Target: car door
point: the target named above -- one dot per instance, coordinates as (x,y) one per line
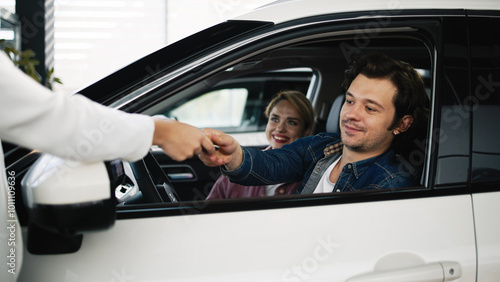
(417,234)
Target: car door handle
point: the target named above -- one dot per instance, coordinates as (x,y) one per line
(180,172)
(180,176)
(432,272)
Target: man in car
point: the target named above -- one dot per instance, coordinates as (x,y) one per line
(384,98)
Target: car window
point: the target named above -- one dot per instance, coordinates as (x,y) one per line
(485,99)
(452,134)
(222,108)
(314,65)
(236,104)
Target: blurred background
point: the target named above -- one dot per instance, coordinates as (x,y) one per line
(85,40)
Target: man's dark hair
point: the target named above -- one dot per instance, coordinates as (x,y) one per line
(410,98)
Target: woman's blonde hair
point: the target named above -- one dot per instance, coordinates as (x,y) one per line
(301,104)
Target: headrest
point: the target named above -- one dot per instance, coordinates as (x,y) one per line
(332,123)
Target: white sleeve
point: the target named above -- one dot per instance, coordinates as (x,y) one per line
(71,127)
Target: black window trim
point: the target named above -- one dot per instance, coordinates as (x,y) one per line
(492,186)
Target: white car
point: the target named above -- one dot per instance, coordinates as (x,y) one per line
(126,229)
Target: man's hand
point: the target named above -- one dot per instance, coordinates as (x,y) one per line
(179,140)
(229,152)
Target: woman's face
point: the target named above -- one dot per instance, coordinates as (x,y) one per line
(284,125)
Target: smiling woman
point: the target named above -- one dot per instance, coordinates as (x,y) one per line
(290,117)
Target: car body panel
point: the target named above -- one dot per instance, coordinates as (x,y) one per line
(486,209)
(326,243)
(273,12)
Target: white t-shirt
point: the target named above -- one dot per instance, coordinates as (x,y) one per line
(66,126)
(325,185)
(271,189)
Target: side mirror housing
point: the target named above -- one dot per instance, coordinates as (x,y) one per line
(66,198)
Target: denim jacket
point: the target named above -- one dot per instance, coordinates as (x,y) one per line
(307,159)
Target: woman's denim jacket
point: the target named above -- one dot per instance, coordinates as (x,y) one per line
(307,159)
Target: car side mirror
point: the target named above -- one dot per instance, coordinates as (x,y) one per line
(67,198)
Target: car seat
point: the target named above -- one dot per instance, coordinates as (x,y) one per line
(332,123)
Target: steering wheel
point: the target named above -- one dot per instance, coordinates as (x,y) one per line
(152,181)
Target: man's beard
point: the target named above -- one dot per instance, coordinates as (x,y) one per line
(353,147)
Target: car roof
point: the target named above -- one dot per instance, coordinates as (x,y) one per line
(285,10)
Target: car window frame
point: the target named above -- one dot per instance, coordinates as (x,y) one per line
(428,30)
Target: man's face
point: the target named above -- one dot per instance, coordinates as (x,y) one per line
(367,115)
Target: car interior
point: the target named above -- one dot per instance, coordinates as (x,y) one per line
(313,66)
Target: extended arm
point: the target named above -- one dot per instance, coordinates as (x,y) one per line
(77,128)
(250,166)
